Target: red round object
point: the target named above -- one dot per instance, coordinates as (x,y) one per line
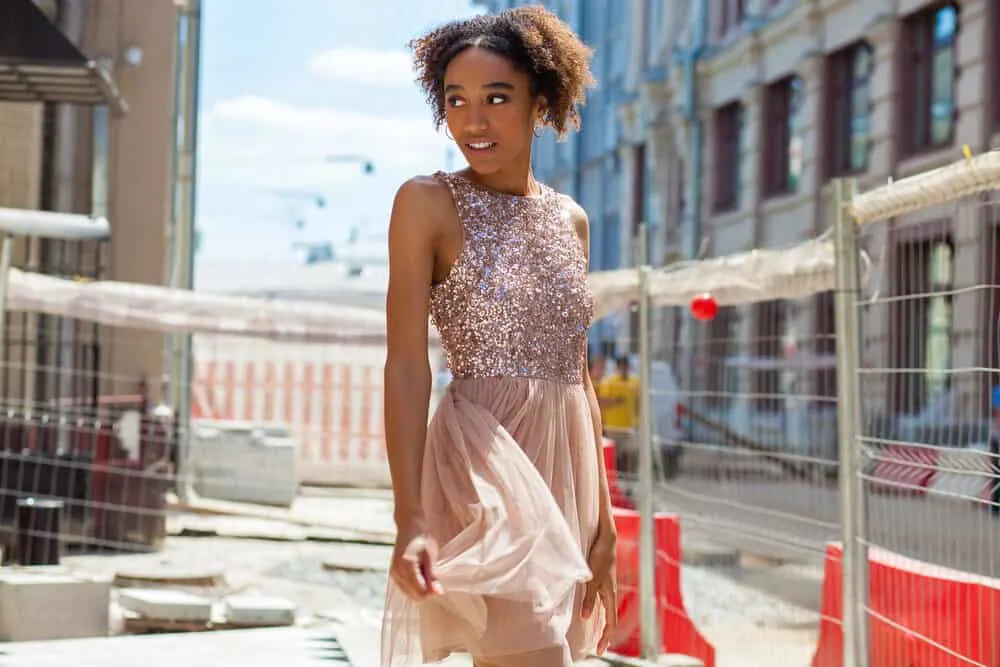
(704,307)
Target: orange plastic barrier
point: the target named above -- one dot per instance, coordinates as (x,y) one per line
(618,498)
(678,632)
(920,615)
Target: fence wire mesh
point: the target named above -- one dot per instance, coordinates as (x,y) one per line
(930,374)
(745,459)
(86,459)
(97,459)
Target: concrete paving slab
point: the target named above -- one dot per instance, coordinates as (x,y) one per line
(164,604)
(259,610)
(363,518)
(359,558)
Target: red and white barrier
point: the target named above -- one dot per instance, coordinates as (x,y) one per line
(677,630)
(914,470)
(329,396)
(903,469)
(920,615)
(618,498)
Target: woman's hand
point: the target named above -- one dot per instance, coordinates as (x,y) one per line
(412,566)
(602,584)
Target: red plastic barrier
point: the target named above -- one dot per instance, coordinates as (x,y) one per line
(904,469)
(680,636)
(618,498)
(920,615)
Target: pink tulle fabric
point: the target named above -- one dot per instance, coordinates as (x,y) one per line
(509,490)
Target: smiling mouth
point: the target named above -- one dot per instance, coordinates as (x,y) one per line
(481,146)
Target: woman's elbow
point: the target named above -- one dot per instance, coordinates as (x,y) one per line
(406,370)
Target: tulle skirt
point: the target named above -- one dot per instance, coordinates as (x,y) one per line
(510,492)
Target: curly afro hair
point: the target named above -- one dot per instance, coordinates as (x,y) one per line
(534,39)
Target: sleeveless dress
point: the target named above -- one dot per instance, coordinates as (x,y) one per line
(510,476)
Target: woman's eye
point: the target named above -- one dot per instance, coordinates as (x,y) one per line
(455,102)
(496,99)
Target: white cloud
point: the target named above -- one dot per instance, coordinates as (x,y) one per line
(364,66)
(289,142)
(253,148)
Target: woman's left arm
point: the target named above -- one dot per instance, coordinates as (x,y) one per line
(603,550)
(606,525)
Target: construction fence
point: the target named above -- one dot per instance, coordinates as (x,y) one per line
(829,427)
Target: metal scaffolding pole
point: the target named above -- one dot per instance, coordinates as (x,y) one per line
(649,621)
(182,246)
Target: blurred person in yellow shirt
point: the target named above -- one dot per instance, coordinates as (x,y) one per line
(618,394)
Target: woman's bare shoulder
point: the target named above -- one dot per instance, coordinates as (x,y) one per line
(577,215)
(425,189)
(422,202)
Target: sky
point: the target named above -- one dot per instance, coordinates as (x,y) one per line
(280,91)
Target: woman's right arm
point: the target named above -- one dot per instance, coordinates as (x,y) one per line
(407,367)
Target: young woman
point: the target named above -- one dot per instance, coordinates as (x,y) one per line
(505,546)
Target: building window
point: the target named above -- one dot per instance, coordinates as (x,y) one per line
(639,187)
(728,157)
(927,115)
(849,110)
(783,136)
(922,320)
(679,208)
(611,250)
(825,348)
(731,15)
(722,347)
(770,326)
(989,309)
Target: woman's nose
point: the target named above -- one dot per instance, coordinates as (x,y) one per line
(476,120)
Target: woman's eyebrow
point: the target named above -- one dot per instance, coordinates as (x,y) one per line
(493,85)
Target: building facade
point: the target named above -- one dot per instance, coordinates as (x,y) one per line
(101,144)
(722,124)
(792,94)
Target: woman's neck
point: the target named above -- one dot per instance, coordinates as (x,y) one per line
(520,182)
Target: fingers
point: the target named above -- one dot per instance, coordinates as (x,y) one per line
(413,570)
(429,580)
(609,600)
(589,599)
(406,574)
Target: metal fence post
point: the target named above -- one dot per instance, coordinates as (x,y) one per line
(852,501)
(6,259)
(185,198)
(648,619)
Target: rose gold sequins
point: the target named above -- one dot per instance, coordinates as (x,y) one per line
(517,302)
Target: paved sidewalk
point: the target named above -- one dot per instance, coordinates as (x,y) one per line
(287,647)
(352,644)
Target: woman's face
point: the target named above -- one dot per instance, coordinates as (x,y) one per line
(489,109)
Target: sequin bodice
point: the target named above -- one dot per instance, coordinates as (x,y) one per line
(516,302)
